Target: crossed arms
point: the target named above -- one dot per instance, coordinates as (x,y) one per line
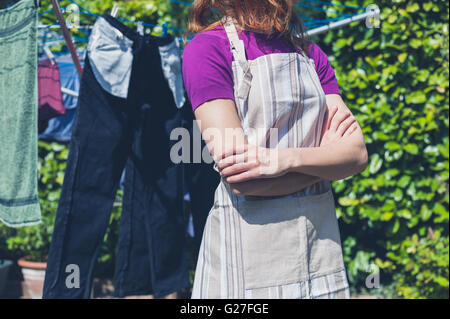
(251,170)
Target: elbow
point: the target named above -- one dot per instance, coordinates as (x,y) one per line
(356,165)
(363,159)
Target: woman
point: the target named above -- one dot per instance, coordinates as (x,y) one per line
(269,108)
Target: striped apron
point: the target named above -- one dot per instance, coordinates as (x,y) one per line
(283,246)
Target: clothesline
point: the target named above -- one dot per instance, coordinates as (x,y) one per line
(85,11)
(310,23)
(335,4)
(345,19)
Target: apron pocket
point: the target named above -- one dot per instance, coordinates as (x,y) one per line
(324,243)
(274,238)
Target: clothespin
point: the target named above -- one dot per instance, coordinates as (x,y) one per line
(140,28)
(115,10)
(49,54)
(164,29)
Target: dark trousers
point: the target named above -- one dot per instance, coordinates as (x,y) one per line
(109,134)
(201,180)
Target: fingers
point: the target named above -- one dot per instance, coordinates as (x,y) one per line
(351,129)
(243,177)
(337,119)
(237,169)
(232,151)
(345,125)
(330,116)
(232,159)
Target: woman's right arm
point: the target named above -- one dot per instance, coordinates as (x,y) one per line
(222,132)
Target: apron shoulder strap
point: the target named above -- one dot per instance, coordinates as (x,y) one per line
(236,45)
(238,49)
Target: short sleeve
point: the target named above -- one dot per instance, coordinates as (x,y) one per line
(207,71)
(324,69)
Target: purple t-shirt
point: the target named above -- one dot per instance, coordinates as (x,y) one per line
(207,63)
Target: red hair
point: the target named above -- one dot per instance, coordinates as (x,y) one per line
(271,17)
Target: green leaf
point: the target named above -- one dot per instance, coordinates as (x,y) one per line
(394,226)
(397,194)
(411,148)
(375,163)
(442,281)
(402,57)
(404,181)
(425,213)
(417,97)
(439,209)
(392,146)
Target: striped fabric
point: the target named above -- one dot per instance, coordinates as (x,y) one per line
(284,246)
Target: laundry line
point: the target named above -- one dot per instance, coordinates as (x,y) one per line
(68,39)
(343,22)
(57,26)
(315,24)
(310,33)
(69,92)
(146,24)
(334,4)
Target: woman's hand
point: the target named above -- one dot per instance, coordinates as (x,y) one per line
(337,124)
(249,162)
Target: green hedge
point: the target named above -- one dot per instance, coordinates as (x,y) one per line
(395,80)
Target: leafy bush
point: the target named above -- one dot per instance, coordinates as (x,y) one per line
(395,80)
(422,264)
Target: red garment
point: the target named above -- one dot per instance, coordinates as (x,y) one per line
(50,97)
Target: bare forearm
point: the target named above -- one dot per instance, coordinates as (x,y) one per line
(333,162)
(278,186)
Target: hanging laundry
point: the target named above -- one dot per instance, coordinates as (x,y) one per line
(126,111)
(49,91)
(19,204)
(59,129)
(201,181)
(171,65)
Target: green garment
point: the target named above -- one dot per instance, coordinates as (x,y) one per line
(19,204)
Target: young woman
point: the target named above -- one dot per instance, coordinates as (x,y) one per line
(272,232)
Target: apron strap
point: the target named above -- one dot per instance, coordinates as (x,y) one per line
(238,50)
(236,45)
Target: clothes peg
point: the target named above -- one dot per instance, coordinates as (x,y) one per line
(49,54)
(164,29)
(140,28)
(115,10)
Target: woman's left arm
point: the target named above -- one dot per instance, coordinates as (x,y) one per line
(334,161)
